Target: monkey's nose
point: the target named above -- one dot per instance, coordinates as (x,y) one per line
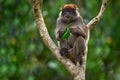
(67,16)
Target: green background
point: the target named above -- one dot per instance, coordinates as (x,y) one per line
(24,56)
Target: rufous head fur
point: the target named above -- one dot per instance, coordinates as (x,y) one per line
(69,6)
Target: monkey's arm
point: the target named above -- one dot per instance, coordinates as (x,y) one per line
(59,31)
(78,32)
(58,35)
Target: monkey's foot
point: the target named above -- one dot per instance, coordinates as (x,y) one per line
(79,59)
(63,51)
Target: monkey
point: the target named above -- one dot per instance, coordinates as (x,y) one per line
(74,46)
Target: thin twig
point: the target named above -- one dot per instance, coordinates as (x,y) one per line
(96,19)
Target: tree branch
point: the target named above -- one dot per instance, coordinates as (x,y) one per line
(36,4)
(77,71)
(96,19)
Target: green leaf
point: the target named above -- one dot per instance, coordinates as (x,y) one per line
(66,34)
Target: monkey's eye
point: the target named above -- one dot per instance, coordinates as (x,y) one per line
(70,11)
(63,13)
(73,13)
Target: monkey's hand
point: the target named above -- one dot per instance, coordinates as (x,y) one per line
(77,32)
(63,51)
(61,33)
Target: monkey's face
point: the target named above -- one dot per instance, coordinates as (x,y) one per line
(68,15)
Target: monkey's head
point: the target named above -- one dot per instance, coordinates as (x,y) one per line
(69,12)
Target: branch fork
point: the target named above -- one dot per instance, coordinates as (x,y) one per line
(78,71)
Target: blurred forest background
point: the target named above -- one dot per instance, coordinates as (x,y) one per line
(24,56)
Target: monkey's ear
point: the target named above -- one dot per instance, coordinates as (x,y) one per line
(61,8)
(75,6)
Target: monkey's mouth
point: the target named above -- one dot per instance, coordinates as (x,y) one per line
(68,18)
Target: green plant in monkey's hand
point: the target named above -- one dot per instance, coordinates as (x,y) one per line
(66,34)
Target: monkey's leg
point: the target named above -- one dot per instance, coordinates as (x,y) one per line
(64,48)
(68,53)
(79,49)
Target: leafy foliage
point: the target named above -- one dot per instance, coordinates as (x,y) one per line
(23,55)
